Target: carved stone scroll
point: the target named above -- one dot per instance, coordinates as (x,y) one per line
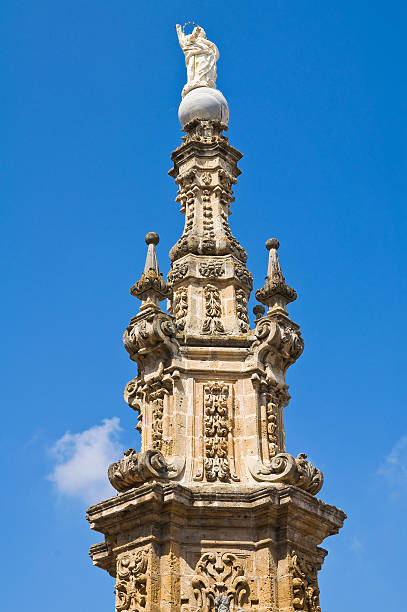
(220,577)
(135,468)
(213,311)
(305,589)
(288,469)
(131,584)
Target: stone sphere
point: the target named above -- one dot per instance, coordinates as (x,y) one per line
(203,103)
(272,243)
(152,238)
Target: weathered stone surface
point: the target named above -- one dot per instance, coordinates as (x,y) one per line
(210,540)
(212,513)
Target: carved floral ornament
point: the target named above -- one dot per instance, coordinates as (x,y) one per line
(305,589)
(178,273)
(131,584)
(211,269)
(242,309)
(213,311)
(220,582)
(216,420)
(181,307)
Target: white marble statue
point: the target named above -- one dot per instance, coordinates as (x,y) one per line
(201,56)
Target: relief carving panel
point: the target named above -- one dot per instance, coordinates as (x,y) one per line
(220,582)
(131,584)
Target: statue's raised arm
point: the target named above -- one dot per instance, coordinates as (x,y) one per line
(201,56)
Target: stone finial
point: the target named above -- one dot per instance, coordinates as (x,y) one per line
(259,311)
(275,293)
(151,288)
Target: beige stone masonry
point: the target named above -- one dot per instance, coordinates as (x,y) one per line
(212,514)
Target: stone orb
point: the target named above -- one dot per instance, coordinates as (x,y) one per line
(203,103)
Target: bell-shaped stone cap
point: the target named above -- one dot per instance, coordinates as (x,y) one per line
(151,288)
(275,293)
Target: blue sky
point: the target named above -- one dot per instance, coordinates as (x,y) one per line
(317,95)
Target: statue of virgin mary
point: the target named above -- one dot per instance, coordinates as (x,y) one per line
(201,56)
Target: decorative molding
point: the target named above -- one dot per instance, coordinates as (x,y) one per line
(305,591)
(131,583)
(220,581)
(205,132)
(213,311)
(242,309)
(216,423)
(211,269)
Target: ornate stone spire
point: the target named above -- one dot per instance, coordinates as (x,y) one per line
(275,294)
(212,513)
(208,263)
(151,288)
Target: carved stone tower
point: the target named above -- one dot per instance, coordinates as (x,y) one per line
(212,513)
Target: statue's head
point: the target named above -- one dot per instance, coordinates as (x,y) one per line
(197,32)
(200,32)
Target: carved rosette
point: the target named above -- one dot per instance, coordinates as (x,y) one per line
(213,311)
(220,580)
(131,584)
(305,591)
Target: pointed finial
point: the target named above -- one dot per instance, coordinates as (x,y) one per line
(151,289)
(275,294)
